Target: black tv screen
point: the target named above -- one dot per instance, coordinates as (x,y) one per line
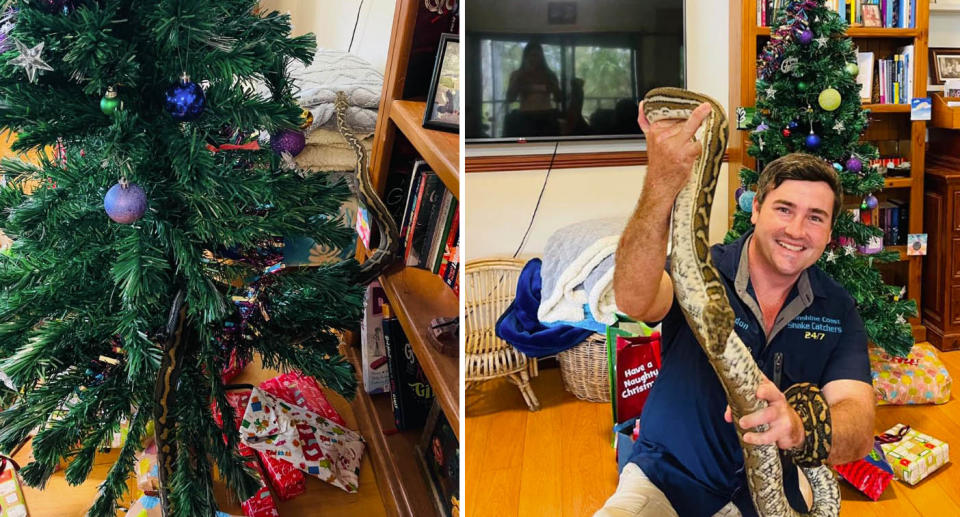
(548,70)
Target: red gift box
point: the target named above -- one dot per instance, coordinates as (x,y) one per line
(238,401)
(302,391)
(286,480)
(262,503)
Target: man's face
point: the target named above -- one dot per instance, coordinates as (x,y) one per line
(793,226)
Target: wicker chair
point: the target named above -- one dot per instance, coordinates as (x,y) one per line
(490,288)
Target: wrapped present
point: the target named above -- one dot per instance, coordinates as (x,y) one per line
(149,506)
(148,471)
(12,502)
(286,480)
(913,455)
(919,378)
(238,401)
(870,475)
(314,444)
(302,391)
(638,365)
(234,366)
(262,503)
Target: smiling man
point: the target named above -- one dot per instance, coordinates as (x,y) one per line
(800,327)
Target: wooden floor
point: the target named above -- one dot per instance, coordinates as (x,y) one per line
(62,500)
(559,461)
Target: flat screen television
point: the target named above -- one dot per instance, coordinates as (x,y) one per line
(551,70)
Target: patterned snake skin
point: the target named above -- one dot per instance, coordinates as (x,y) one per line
(703,298)
(386,253)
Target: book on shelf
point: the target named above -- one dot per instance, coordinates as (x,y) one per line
(430,223)
(410,393)
(865,75)
(900,14)
(894,77)
(373,353)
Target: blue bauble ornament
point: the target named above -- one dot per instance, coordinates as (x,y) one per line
(792,124)
(288,141)
(185,100)
(806,37)
(125,203)
(746,201)
(871,201)
(837,166)
(812,141)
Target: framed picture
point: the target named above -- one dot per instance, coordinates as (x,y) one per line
(443,99)
(871,15)
(944,64)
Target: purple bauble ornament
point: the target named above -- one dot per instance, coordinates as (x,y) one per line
(738,193)
(288,141)
(185,100)
(125,203)
(854,164)
(806,36)
(812,141)
(871,201)
(762,127)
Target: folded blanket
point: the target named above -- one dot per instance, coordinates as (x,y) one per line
(519,326)
(333,71)
(327,151)
(578,267)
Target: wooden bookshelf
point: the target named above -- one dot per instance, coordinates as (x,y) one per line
(439,148)
(392,452)
(887,121)
(416,296)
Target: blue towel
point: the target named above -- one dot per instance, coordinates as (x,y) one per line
(586,323)
(520,327)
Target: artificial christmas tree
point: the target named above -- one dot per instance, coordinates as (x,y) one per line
(143,260)
(808,101)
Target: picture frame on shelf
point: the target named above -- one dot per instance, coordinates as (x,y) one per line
(944,64)
(443,99)
(871,15)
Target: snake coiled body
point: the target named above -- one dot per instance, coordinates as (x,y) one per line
(164,393)
(386,253)
(701,294)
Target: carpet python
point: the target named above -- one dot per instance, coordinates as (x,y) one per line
(386,254)
(703,299)
(164,422)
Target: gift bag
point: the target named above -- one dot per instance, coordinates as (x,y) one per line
(301,391)
(626,327)
(913,455)
(870,475)
(313,443)
(638,365)
(12,502)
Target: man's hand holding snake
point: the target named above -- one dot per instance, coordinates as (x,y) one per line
(785,428)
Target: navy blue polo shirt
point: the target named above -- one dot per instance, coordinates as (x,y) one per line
(685,447)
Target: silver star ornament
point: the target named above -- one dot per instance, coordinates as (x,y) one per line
(821,41)
(838,127)
(770,92)
(30,60)
(830,256)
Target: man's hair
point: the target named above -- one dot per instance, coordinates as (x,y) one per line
(802,167)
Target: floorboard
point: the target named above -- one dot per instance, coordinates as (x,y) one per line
(559,461)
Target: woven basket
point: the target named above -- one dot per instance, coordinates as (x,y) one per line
(584,371)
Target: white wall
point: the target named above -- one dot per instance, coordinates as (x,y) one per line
(331,21)
(498,206)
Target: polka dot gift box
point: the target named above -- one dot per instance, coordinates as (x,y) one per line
(919,378)
(913,455)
